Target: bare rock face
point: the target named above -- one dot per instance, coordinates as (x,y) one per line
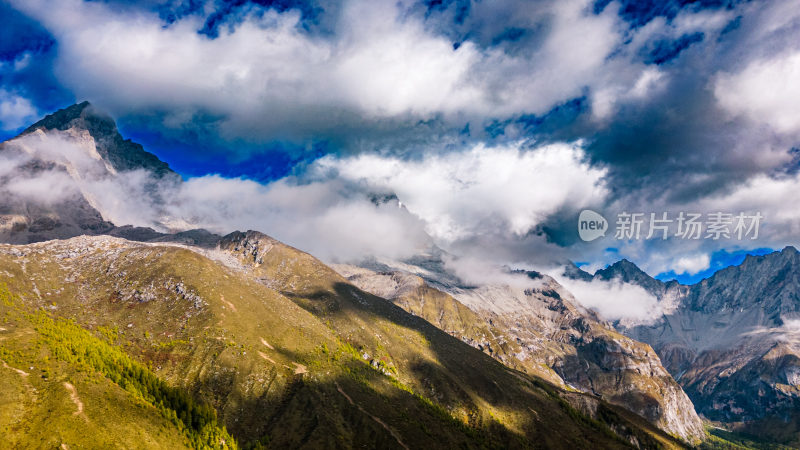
(120,153)
(535,326)
(55,174)
(733,341)
(38,198)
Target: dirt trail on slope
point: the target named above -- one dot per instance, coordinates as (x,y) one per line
(263,355)
(299,369)
(230,305)
(376,419)
(73,394)
(19,371)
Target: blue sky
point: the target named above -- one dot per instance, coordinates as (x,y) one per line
(494,123)
(719,260)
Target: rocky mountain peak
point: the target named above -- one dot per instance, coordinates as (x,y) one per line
(64,118)
(572,271)
(621,269)
(629,272)
(732,341)
(250,245)
(123,154)
(81,146)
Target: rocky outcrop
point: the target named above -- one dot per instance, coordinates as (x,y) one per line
(122,154)
(732,340)
(535,326)
(55,174)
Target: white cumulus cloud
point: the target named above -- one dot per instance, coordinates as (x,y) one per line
(480,190)
(15,111)
(766,91)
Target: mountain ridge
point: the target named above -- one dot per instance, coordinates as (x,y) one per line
(286,351)
(290,354)
(123,154)
(535,325)
(731,340)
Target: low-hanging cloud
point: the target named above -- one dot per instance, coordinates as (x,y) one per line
(335,209)
(328,217)
(684,111)
(47,168)
(613,300)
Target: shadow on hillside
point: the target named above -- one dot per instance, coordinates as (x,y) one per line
(465,377)
(367,411)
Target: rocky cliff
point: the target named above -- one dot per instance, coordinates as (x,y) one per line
(732,340)
(535,326)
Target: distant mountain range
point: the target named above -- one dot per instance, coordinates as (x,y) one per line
(288,352)
(732,340)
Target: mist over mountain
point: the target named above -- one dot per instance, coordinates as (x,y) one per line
(532,323)
(76,162)
(400,224)
(239,339)
(121,154)
(730,340)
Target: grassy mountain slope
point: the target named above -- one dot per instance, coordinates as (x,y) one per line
(49,402)
(289,354)
(414,295)
(540,331)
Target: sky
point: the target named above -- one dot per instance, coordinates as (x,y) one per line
(494,124)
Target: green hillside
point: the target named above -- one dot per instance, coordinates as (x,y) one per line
(274,346)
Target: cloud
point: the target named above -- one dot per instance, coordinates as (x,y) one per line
(774,196)
(15,111)
(481,199)
(788,332)
(613,299)
(463,194)
(476,271)
(330,219)
(47,168)
(45,188)
(266,76)
(766,91)
(691,264)
(447,199)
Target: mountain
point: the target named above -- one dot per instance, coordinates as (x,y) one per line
(533,324)
(732,341)
(121,154)
(122,336)
(285,351)
(64,175)
(629,272)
